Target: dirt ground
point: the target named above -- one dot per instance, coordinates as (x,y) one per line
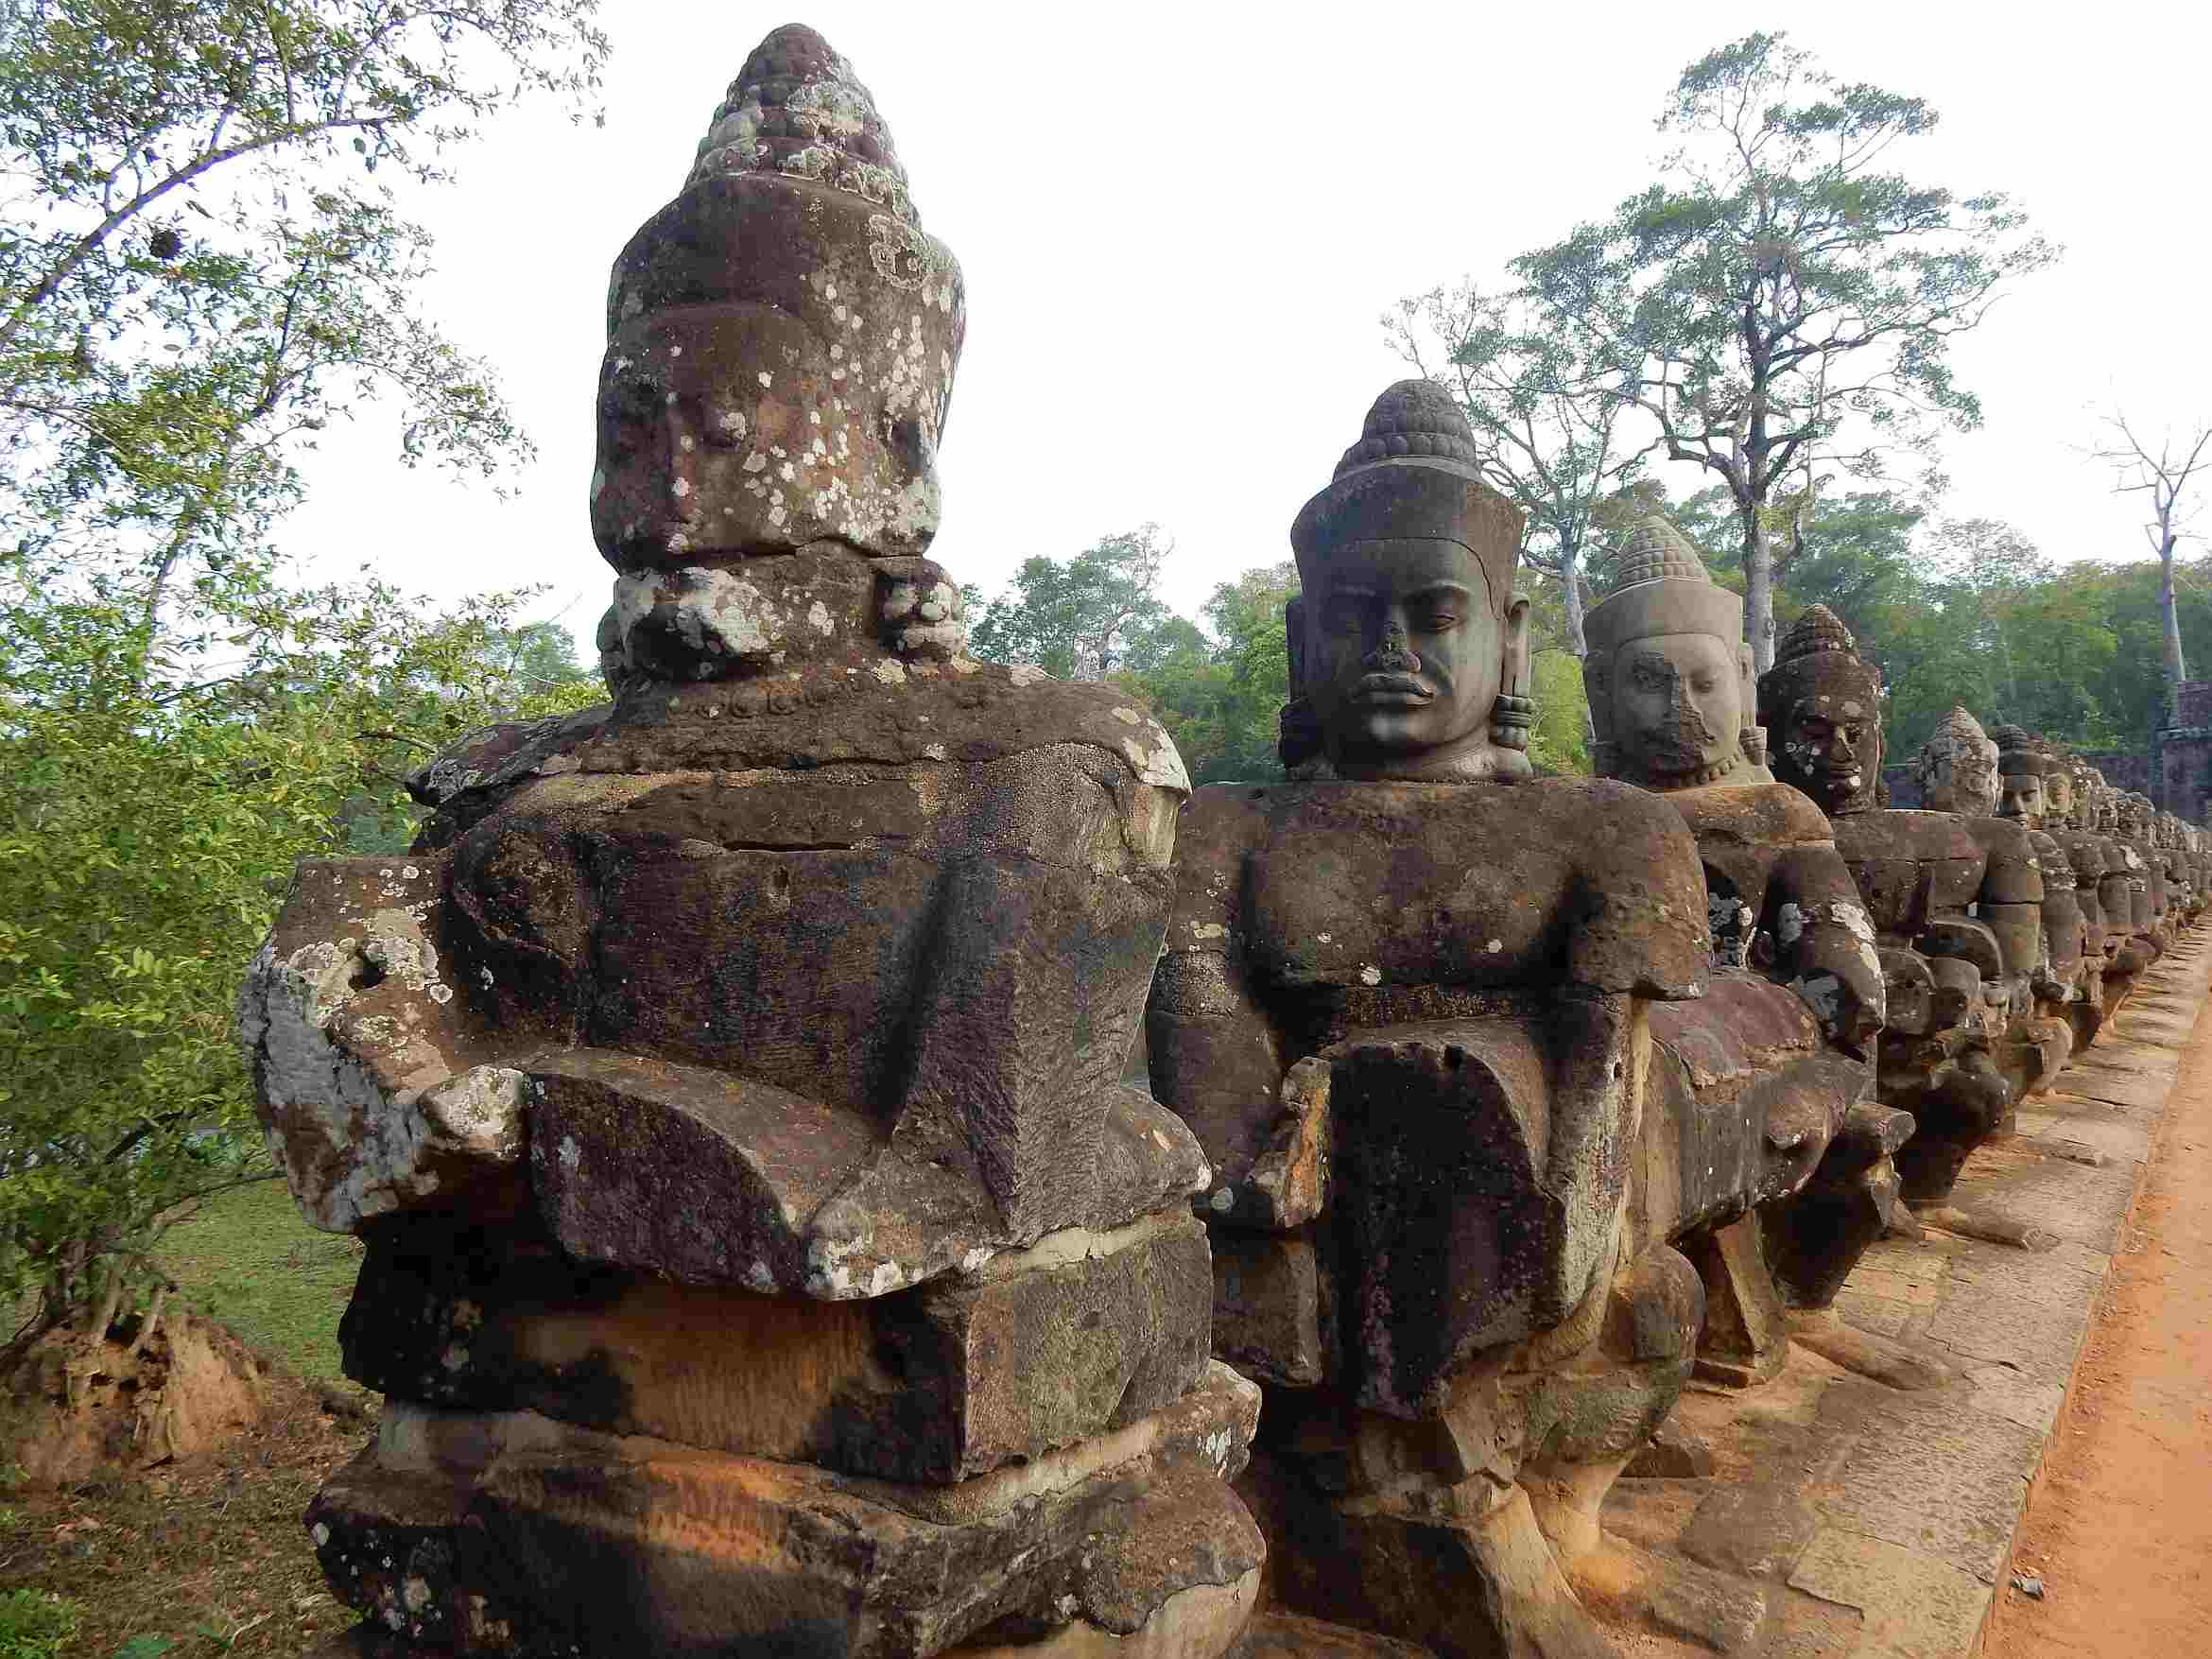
(2119,1524)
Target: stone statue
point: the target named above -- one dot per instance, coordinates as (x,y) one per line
(2037,1046)
(1670,695)
(764,1254)
(1406,1008)
(1956,904)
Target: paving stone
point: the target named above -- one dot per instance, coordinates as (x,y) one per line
(1723,1613)
(2002,1391)
(1933,1474)
(1911,1606)
(1753,1528)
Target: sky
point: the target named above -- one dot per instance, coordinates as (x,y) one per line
(1180,226)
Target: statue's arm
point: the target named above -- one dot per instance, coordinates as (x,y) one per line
(1827,944)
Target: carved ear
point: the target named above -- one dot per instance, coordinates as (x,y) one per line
(1512,679)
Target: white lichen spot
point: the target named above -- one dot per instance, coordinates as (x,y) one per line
(889,672)
(1371,975)
(1223,1200)
(1027,674)
(766,378)
(1126,717)
(818,618)
(1208,931)
(571,1154)
(1493,947)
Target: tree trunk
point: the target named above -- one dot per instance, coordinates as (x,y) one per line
(1758,599)
(2176,670)
(1570,582)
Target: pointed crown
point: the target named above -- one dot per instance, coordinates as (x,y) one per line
(2020,755)
(1412,476)
(797,110)
(1818,629)
(1665,588)
(1656,551)
(1817,651)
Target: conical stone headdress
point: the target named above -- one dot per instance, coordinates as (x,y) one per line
(1818,658)
(1664,588)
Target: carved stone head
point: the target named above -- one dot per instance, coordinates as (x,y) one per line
(1411,647)
(781,342)
(2023,765)
(1667,673)
(1956,767)
(1822,709)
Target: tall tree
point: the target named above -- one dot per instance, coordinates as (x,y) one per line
(1778,303)
(200,270)
(1549,434)
(1084,617)
(2163,479)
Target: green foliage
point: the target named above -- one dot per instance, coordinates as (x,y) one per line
(199,270)
(1778,303)
(1220,700)
(1969,613)
(1088,616)
(1560,744)
(144,839)
(34,1625)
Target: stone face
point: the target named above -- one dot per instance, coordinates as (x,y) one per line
(1668,678)
(1081,1333)
(510,1534)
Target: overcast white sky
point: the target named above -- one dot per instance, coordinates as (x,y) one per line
(1179,224)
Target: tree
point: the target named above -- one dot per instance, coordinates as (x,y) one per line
(1778,304)
(144,839)
(1222,702)
(2163,479)
(199,271)
(1548,434)
(1084,617)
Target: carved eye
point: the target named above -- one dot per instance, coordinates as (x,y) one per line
(1703,683)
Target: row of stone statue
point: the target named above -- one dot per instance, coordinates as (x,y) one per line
(769,1248)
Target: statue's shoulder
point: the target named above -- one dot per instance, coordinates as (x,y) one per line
(1754,815)
(469,778)
(880,711)
(1894,833)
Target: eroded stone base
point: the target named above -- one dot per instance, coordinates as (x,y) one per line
(508,1533)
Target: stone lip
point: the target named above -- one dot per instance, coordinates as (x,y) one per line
(708,1178)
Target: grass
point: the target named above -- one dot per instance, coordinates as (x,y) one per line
(191,1563)
(248,1260)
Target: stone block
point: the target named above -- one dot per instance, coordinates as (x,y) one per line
(1271,1306)
(1711,1609)
(1042,1348)
(508,1533)
(1911,1604)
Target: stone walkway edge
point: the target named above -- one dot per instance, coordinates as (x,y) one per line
(1913,1527)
